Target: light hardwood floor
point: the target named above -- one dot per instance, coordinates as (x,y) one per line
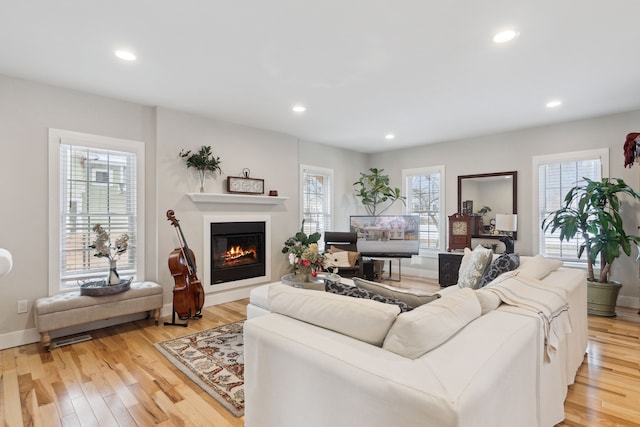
(119,379)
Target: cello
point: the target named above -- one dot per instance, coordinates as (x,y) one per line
(188,294)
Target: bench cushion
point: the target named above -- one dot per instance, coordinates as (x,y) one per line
(71,308)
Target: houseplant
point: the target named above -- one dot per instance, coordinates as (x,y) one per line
(203,161)
(375,192)
(302,250)
(592,209)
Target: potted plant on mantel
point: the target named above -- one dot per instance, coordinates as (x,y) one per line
(592,208)
(203,161)
(376,193)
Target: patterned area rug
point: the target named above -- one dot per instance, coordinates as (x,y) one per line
(213,359)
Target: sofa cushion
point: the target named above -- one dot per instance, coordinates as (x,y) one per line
(362,319)
(426,327)
(489,301)
(353,256)
(336,259)
(357,292)
(472,269)
(411,297)
(502,264)
(538,267)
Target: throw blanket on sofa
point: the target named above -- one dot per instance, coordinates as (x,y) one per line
(548,302)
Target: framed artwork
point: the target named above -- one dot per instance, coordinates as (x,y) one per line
(467,207)
(244,185)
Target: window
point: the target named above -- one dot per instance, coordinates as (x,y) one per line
(556,175)
(98,180)
(317,200)
(424,188)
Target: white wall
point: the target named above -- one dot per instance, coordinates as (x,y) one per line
(514,151)
(28,110)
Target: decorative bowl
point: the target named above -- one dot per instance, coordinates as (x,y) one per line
(100,288)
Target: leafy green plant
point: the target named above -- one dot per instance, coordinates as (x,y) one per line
(302,250)
(204,161)
(375,192)
(592,209)
(484,210)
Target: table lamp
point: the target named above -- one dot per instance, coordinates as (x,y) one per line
(507,224)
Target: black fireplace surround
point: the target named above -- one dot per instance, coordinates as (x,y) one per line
(237,251)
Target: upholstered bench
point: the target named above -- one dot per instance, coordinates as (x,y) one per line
(71,308)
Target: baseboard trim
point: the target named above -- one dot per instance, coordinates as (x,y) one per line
(18,338)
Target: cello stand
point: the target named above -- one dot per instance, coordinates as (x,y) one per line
(173,320)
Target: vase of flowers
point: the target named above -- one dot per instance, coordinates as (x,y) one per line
(105,249)
(304,257)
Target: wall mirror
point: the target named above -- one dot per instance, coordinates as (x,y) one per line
(497,191)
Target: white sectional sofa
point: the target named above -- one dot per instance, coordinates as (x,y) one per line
(314,359)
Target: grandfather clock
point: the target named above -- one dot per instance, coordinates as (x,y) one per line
(460,231)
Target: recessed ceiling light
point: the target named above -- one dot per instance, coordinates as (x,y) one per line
(125,55)
(505,36)
(553,104)
(389,136)
(299,108)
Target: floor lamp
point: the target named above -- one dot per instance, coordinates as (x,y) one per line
(507,224)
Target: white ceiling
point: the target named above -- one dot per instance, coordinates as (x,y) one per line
(426,71)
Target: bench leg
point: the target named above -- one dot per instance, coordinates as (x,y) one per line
(156,315)
(45,339)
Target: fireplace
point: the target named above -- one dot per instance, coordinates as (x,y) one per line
(238,251)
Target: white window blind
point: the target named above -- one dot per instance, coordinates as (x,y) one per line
(424,189)
(556,176)
(97,185)
(317,209)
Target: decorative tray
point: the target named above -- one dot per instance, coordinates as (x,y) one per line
(100,288)
(309,282)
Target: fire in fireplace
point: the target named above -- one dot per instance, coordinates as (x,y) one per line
(237,251)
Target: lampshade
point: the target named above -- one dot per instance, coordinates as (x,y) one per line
(6,262)
(506,222)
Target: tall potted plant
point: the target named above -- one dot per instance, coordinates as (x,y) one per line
(375,192)
(592,209)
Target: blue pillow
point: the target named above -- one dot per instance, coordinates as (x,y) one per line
(504,263)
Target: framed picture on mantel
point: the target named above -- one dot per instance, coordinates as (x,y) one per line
(243,185)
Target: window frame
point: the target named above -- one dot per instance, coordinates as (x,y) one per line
(316,170)
(56,138)
(442,219)
(574,156)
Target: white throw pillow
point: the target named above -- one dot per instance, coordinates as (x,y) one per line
(363,319)
(477,263)
(538,267)
(489,301)
(424,328)
(337,259)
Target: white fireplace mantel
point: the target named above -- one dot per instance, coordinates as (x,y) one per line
(236,198)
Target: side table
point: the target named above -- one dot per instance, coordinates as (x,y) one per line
(448,266)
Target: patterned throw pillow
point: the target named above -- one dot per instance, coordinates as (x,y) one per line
(356,292)
(413,298)
(478,262)
(504,263)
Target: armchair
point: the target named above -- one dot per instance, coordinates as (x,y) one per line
(336,241)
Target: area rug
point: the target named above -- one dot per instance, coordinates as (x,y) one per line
(213,359)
